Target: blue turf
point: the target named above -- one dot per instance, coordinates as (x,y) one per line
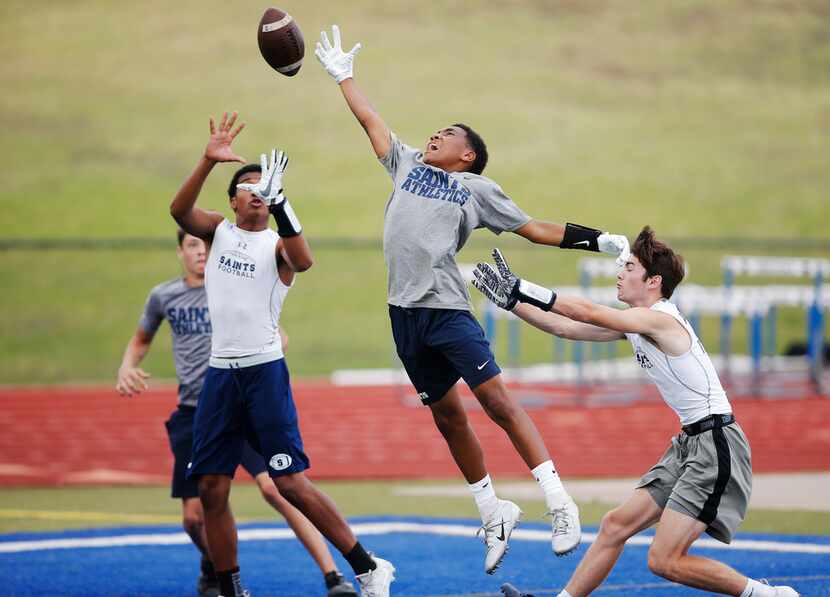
(428,565)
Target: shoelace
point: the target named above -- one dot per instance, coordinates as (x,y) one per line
(366,590)
(561,520)
(489,531)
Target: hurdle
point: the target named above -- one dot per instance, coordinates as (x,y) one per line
(749,266)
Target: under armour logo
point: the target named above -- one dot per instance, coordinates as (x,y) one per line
(643,359)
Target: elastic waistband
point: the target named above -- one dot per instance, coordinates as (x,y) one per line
(709,423)
(246,361)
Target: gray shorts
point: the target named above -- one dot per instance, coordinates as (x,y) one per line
(707,477)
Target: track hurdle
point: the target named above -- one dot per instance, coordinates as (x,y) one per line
(781,267)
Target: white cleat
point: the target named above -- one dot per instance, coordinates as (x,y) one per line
(567,533)
(497,533)
(375,583)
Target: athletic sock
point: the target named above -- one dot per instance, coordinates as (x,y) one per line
(564,593)
(548,479)
(332,578)
(485,496)
(230,583)
(757,589)
(360,561)
(207,569)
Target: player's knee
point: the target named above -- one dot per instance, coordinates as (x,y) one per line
(501,409)
(450,422)
(291,487)
(662,564)
(213,492)
(192,524)
(613,528)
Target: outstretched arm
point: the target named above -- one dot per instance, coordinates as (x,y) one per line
(563,327)
(192,219)
(574,236)
(340,65)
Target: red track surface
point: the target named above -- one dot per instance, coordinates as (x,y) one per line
(85,435)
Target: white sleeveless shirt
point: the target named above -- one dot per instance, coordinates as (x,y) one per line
(688,383)
(245,293)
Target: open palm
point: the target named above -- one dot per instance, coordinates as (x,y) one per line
(219,148)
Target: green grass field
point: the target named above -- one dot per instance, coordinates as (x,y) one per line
(699,118)
(49,509)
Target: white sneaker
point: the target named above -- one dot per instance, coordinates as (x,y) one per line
(375,583)
(782,591)
(565,526)
(497,533)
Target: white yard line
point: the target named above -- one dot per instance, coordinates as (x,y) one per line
(379,528)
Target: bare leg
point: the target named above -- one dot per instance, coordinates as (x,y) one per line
(451,420)
(220,528)
(510,416)
(636,514)
(668,557)
(193,522)
(308,535)
(318,508)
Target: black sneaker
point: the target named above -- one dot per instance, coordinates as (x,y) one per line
(338,586)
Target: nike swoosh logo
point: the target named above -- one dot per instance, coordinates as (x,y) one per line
(582,242)
(501,535)
(480,367)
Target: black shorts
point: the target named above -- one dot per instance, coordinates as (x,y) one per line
(438,347)
(180,434)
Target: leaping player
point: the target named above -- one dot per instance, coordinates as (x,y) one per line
(703,481)
(439,197)
(247,392)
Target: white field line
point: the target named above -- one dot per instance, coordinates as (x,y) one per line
(380,528)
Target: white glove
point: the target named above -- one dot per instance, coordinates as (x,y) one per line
(269,187)
(615,244)
(337,63)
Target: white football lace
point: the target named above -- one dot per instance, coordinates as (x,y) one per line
(561,520)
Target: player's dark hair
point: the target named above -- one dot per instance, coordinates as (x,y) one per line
(238,174)
(180,236)
(659,259)
(477,145)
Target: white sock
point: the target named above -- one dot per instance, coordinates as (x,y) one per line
(485,497)
(564,593)
(548,479)
(756,589)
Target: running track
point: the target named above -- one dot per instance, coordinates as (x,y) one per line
(83,435)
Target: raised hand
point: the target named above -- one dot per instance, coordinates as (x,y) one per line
(614,244)
(493,286)
(338,64)
(269,188)
(218,148)
(510,288)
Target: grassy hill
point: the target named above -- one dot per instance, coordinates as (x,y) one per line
(699,118)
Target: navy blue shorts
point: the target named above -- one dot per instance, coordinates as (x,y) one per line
(250,403)
(438,347)
(180,433)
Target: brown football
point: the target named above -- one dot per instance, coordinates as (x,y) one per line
(281,42)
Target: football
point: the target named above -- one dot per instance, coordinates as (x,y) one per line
(281,42)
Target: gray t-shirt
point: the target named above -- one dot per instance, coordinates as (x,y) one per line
(186,310)
(429,217)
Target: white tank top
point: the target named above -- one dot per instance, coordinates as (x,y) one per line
(244,292)
(688,383)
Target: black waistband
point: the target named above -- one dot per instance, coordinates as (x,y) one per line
(710,422)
